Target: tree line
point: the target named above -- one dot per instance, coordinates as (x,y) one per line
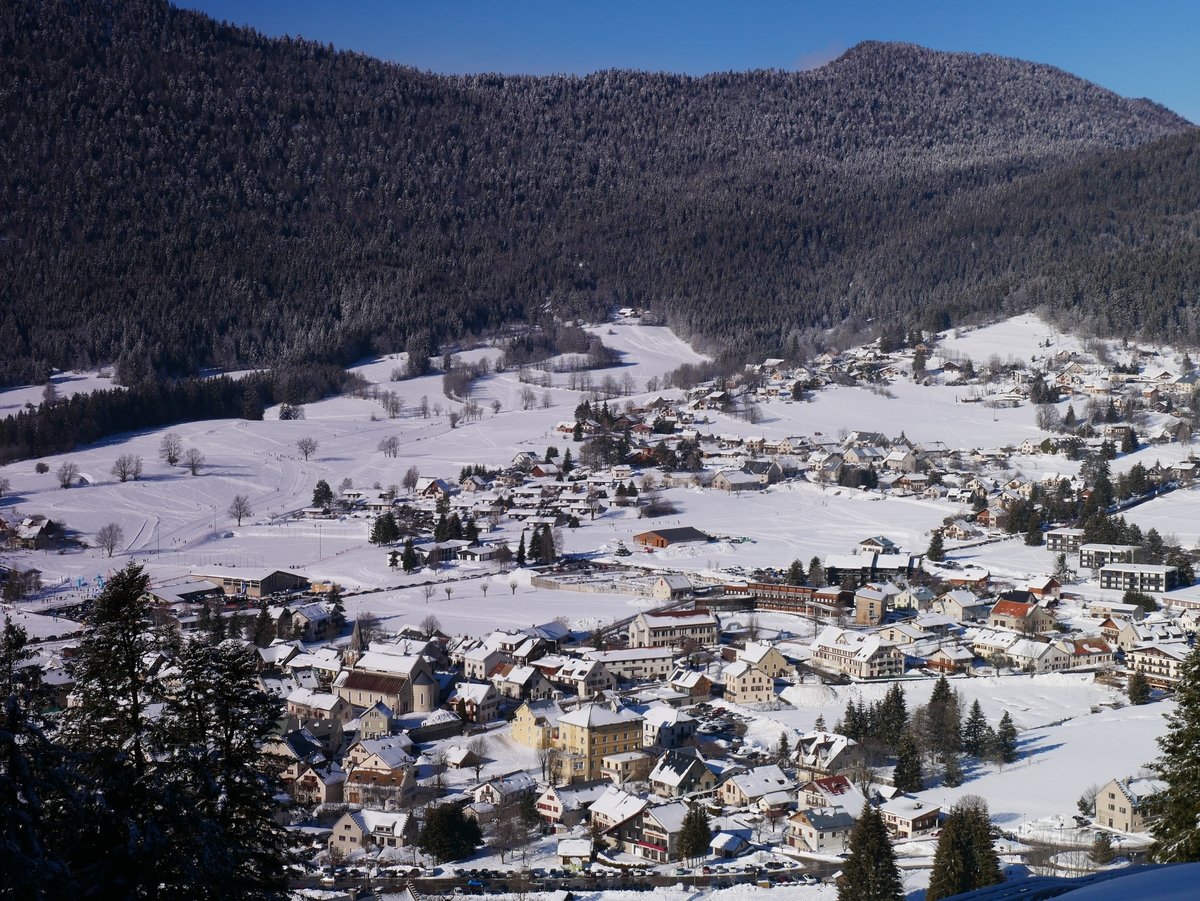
(63,424)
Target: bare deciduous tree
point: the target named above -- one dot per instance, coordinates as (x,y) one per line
(428,591)
(239,508)
(390,446)
(5,485)
(110,537)
(307,447)
(412,475)
(430,625)
(170,449)
(193,460)
(66,474)
(127,466)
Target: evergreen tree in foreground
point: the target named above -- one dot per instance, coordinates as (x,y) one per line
(966,858)
(1138,688)
(448,834)
(937,547)
(1006,740)
(870,873)
(1177,829)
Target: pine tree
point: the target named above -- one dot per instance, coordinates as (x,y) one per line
(892,718)
(795,573)
(937,547)
(696,835)
(385,529)
(908,777)
(264,627)
(521,551)
(943,719)
(1101,853)
(816,572)
(966,858)
(448,834)
(1138,688)
(819,725)
(783,750)
(974,732)
(870,872)
(545,546)
(111,730)
(408,559)
(1177,829)
(1033,536)
(1006,740)
(952,771)
(322,494)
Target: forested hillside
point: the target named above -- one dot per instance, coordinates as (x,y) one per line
(175,192)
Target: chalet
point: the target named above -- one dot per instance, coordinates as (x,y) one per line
(521,682)
(962,606)
(660,829)
(950,659)
(637,664)
(363,830)
(1045,587)
(821,754)
(747,684)
(380,790)
(766,787)
(820,830)
(696,685)
(1161,664)
(535,724)
(1019,617)
(1122,803)
(681,772)
(765,657)
(670,586)
(475,702)
(733,480)
(567,804)
(857,654)
(960,530)
(506,789)
(906,816)
(661,538)
(323,784)
(36,532)
(1090,652)
(667,727)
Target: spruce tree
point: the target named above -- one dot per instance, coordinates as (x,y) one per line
(1177,828)
(696,835)
(816,573)
(795,573)
(908,776)
(408,559)
(974,731)
(870,872)
(966,858)
(111,731)
(209,752)
(521,551)
(943,720)
(448,834)
(1006,740)
(783,750)
(952,771)
(1138,688)
(937,547)
(892,718)
(1101,853)
(322,494)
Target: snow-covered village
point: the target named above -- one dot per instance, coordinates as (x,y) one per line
(603,623)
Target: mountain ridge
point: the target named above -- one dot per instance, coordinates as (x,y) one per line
(210,196)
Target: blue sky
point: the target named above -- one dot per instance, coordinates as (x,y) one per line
(1139,49)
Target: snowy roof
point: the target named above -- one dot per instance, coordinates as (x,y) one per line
(591,716)
(865,644)
(617,806)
